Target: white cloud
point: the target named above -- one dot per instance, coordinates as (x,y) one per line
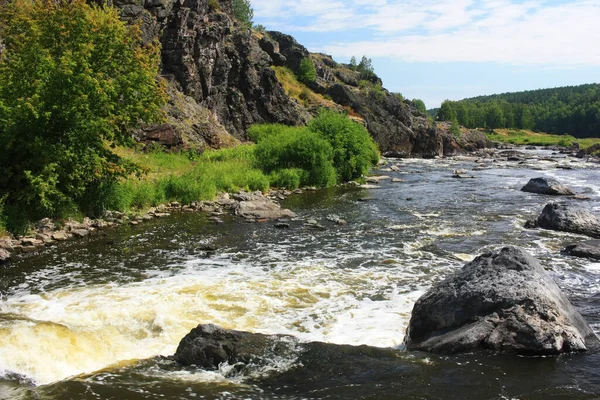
(508,31)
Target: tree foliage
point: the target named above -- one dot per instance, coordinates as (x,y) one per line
(331,149)
(571,110)
(307,72)
(420,106)
(73,80)
(243,11)
(354,151)
(365,67)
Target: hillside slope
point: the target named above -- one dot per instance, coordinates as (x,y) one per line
(573,110)
(231,71)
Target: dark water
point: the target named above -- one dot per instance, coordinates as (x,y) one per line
(89,319)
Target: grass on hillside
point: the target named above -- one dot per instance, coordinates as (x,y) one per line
(298,90)
(526,137)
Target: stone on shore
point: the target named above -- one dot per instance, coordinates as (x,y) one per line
(567,218)
(547,186)
(4,256)
(502,301)
(257,206)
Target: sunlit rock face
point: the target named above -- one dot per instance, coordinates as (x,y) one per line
(501,301)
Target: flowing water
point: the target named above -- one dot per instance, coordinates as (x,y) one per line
(91,319)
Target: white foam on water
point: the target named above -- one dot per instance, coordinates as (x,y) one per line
(593,266)
(79,330)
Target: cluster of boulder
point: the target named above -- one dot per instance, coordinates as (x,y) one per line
(503,301)
(566,217)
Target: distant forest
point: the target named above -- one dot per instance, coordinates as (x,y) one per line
(573,110)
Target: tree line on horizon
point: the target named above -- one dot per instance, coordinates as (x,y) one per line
(573,110)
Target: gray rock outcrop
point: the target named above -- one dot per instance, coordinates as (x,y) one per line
(502,301)
(567,217)
(547,186)
(220,66)
(588,249)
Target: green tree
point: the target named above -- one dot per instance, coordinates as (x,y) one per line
(455,129)
(420,106)
(73,81)
(447,112)
(242,9)
(365,67)
(494,116)
(307,72)
(353,63)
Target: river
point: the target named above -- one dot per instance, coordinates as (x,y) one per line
(90,319)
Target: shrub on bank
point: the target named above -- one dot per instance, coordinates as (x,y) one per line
(354,151)
(332,149)
(296,148)
(74,79)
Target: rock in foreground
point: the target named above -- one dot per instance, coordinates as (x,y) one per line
(208,346)
(502,301)
(547,186)
(282,357)
(567,218)
(587,249)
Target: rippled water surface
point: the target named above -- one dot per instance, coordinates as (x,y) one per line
(89,319)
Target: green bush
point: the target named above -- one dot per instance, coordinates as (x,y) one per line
(455,129)
(188,188)
(213,5)
(146,194)
(73,80)
(307,72)
(259,132)
(289,178)
(3,230)
(354,151)
(298,148)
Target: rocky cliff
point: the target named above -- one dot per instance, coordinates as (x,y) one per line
(224,75)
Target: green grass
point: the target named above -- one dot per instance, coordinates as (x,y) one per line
(331,149)
(182,177)
(525,137)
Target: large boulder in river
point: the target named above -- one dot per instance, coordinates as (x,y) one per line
(208,346)
(501,301)
(547,186)
(587,249)
(567,218)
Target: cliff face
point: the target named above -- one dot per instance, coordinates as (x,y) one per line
(225,68)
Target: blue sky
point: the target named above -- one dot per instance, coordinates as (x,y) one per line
(437,50)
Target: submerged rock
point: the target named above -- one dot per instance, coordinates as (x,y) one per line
(567,218)
(547,186)
(587,249)
(502,301)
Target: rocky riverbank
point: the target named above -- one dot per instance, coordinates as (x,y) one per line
(252,207)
